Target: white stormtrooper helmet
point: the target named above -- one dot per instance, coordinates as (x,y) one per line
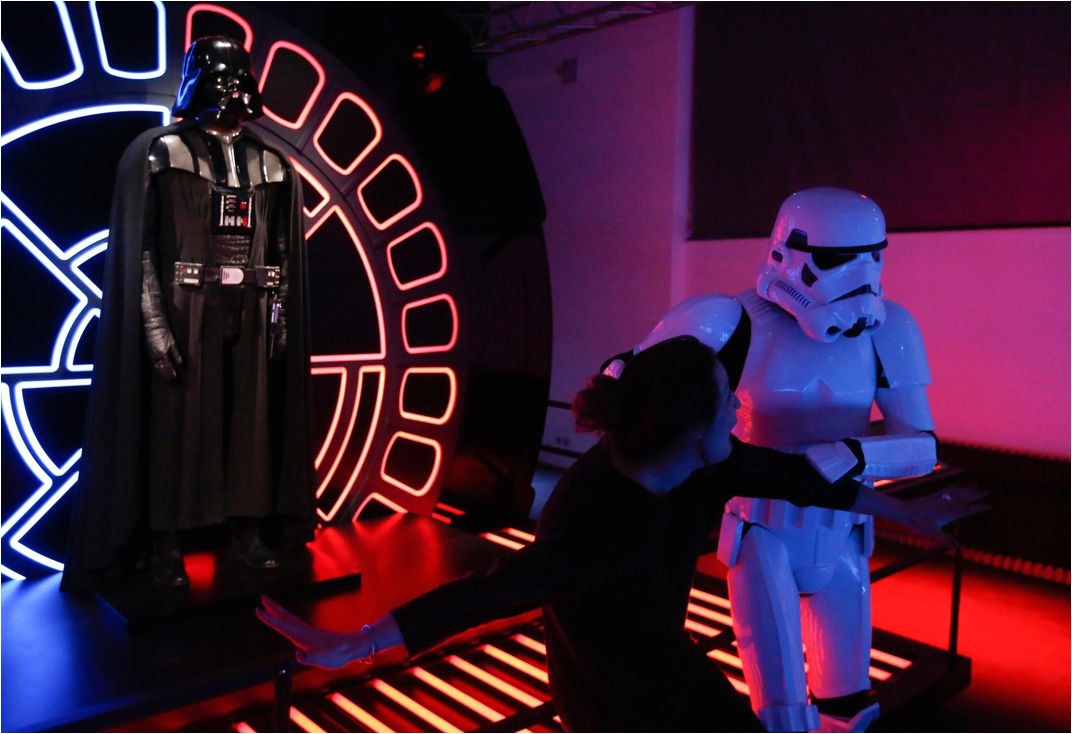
(825,263)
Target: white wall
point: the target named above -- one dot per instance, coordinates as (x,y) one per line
(611,151)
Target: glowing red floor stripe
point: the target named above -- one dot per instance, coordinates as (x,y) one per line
(531,644)
(512,544)
(879,674)
(363,717)
(520,534)
(413,707)
(739,685)
(516,662)
(718,601)
(304,722)
(458,695)
(443,518)
(888,659)
(244,728)
(495,682)
(693,626)
(447,508)
(724,657)
(713,616)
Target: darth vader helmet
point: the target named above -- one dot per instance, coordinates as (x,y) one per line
(217,82)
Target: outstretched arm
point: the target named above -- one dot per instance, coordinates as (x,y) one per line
(323,648)
(926,515)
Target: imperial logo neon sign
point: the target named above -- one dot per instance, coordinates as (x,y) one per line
(344,459)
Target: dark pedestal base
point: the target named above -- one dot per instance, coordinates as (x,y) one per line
(218,580)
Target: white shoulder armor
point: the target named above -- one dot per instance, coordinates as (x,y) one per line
(711,318)
(899,346)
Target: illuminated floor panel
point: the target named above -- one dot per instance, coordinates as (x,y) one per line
(499,683)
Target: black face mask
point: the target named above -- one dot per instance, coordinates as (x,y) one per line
(217,83)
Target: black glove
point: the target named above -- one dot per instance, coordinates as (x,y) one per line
(163,351)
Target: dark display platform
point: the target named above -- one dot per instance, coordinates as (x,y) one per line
(218,580)
(70,662)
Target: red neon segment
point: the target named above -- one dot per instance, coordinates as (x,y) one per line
(724,657)
(418,192)
(526,641)
(693,626)
(418,492)
(321,79)
(435,347)
(516,663)
(443,518)
(405,238)
(458,695)
(448,411)
(244,728)
(878,674)
(341,372)
(708,614)
(520,534)
(313,181)
(376,496)
(718,601)
(511,544)
(336,211)
(355,402)
(304,722)
(495,682)
(359,714)
(413,707)
(247,42)
(447,508)
(353,99)
(889,659)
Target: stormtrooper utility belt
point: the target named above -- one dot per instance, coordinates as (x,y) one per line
(261,276)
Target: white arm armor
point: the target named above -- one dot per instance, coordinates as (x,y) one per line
(908,447)
(712,318)
(884,457)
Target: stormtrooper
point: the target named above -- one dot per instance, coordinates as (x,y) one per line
(198,409)
(812,349)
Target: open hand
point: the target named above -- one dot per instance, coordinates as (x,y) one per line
(315,646)
(928,514)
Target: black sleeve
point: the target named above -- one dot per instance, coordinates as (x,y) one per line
(570,547)
(518,583)
(754,471)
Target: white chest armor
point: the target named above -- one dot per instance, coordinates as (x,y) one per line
(794,392)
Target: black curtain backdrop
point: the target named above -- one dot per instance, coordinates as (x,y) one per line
(949,115)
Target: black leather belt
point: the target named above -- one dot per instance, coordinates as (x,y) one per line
(262,276)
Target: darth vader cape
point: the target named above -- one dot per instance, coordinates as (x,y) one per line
(146,439)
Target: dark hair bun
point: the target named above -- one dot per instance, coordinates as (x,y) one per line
(599,407)
(663,391)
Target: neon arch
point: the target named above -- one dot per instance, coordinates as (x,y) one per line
(317,68)
(355,101)
(102,49)
(417,199)
(452,395)
(77,68)
(405,241)
(210,9)
(417,440)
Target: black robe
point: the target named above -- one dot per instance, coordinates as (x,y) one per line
(153,453)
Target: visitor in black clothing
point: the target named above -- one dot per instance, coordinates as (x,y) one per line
(616,549)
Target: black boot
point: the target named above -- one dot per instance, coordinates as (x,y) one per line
(166,562)
(247,546)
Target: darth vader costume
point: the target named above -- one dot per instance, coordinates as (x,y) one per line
(198,412)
